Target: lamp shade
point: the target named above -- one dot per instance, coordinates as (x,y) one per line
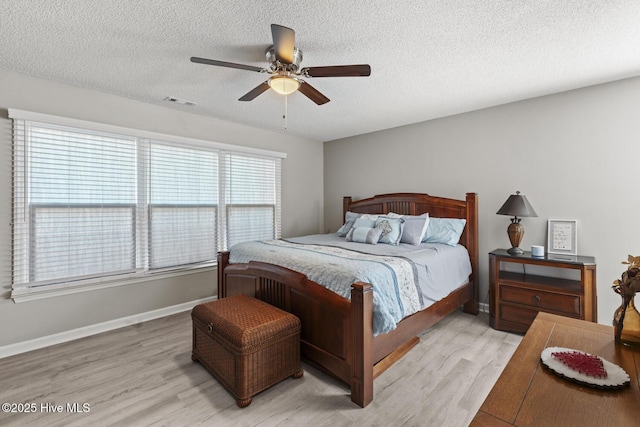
(284,85)
(517,205)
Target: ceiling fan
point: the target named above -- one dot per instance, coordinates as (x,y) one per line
(285,59)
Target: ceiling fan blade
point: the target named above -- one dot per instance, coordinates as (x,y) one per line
(227,64)
(312,93)
(362,70)
(283,43)
(253,93)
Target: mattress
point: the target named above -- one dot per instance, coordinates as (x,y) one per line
(405,278)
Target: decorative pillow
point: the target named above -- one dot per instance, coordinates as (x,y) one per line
(364,235)
(342,231)
(415,228)
(444,230)
(365,221)
(391,229)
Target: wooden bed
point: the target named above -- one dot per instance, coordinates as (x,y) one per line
(337,334)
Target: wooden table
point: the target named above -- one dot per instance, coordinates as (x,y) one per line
(527,394)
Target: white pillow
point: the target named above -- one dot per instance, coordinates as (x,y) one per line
(415,228)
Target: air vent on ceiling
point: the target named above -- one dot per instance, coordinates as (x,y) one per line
(179,101)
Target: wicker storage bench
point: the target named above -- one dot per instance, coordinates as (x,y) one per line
(246,344)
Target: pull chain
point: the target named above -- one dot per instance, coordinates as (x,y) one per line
(286,113)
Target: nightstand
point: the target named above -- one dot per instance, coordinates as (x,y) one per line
(516,296)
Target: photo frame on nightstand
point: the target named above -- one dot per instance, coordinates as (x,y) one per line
(562,236)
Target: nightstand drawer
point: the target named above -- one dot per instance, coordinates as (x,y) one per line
(517,314)
(569,304)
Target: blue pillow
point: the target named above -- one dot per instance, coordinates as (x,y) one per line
(351,216)
(365,221)
(349,220)
(342,231)
(391,229)
(364,235)
(445,230)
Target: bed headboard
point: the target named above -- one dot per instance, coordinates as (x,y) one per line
(419,203)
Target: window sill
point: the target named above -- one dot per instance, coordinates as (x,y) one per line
(43,292)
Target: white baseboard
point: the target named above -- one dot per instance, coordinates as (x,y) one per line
(85,331)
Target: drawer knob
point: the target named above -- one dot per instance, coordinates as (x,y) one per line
(536,299)
(210,327)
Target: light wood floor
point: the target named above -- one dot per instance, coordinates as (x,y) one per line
(143,375)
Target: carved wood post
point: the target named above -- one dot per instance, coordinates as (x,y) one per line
(223,261)
(362,342)
(346,202)
(472,246)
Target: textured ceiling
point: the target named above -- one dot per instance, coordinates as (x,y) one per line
(429,58)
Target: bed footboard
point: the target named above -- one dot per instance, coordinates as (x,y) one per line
(336,334)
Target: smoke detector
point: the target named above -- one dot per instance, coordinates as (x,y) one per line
(179,101)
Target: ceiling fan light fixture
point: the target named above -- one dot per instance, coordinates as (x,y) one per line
(286,76)
(284,85)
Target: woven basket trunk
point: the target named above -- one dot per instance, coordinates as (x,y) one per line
(246,344)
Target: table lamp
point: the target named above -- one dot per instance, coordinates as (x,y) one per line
(516,205)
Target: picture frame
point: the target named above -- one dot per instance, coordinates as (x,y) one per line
(562,236)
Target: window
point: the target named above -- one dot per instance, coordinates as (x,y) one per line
(97,205)
(183,205)
(250,192)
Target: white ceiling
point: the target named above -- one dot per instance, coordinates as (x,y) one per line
(429,58)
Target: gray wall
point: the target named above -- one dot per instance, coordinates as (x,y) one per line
(574,155)
(302,202)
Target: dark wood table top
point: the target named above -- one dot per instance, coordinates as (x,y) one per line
(527,394)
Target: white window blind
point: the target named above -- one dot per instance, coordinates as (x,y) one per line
(252,198)
(93,206)
(75,216)
(183,205)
